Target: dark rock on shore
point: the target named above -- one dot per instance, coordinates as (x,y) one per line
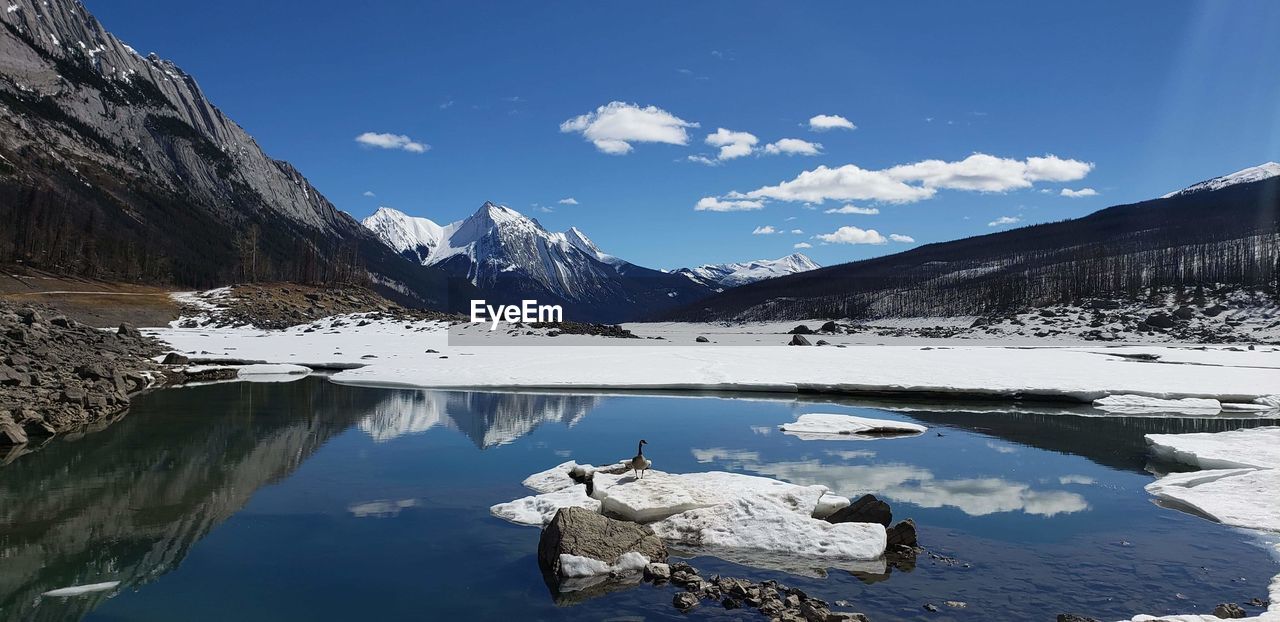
(1229,611)
(1071,617)
(799,340)
(581,328)
(281,305)
(57,375)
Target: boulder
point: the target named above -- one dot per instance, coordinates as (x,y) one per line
(1184,313)
(801,330)
(829,327)
(798,340)
(685,601)
(902,534)
(173,358)
(584,533)
(1229,611)
(702,339)
(867,509)
(1160,320)
(657,572)
(127,330)
(1215,310)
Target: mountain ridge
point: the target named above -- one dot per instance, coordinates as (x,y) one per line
(507,254)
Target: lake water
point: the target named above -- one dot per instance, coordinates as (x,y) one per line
(309,500)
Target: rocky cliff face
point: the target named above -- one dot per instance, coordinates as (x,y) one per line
(116,164)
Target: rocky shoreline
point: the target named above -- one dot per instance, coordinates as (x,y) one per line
(58,375)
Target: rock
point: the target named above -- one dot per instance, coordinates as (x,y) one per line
(823,342)
(1229,611)
(581,532)
(829,327)
(799,340)
(1160,320)
(1071,617)
(1215,310)
(867,509)
(685,601)
(93,371)
(1184,313)
(902,534)
(701,339)
(955,604)
(657,572)
(801,330)
(127,330)
(930,607)
(62,321)
(173,358)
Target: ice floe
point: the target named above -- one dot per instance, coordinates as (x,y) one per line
(817,426)
(736,516)
(1245,448)
(1140,404)
(1237,497)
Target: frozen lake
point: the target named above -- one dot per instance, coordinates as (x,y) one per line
(311,500)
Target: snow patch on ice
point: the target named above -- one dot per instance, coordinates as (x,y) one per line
(1248,448)
(818,426)
(538,510)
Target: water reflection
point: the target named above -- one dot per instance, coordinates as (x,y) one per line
(488,419)
(907,483)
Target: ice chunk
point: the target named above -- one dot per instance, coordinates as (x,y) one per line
(538,510)
(552,479)
(1238,497)
(78,590)
(579,566)
(272,369)
(659,495)
(1247,448)
(815,426)
(1268,400)
(828,504)
(1138,404)
(757,523)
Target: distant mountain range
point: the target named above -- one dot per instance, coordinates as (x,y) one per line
(115,165)
(512,257)
(725,275)
(1220,233)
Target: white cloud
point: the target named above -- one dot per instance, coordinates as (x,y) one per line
(802,245)
(852,235)
(905,239)
(368,193)
(824,122)
(614,126)
(1004,220)
(853,209)
(986,173)
(846,183)
(765,230)
(713,204)
(701,159)
(392,141)
(797,231)
(732,144)
(568,201)
(793,146)
(1083,192)
(908,183)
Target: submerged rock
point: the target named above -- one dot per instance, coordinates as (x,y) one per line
(1229,611)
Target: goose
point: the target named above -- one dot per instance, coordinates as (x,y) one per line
(640,464)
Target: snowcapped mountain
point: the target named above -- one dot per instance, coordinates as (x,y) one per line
(725,275)
(1244,176)
(513,257)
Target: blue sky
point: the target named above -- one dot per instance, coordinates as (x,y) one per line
(1134,99)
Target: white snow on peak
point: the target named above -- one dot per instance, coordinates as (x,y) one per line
(405,233)
(735,274)
(1243,176)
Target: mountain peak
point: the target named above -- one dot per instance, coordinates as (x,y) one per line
(1260,172)
(741,273)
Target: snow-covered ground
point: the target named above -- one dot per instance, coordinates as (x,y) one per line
(419,354)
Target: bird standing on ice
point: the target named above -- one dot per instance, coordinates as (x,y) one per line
(640,464)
